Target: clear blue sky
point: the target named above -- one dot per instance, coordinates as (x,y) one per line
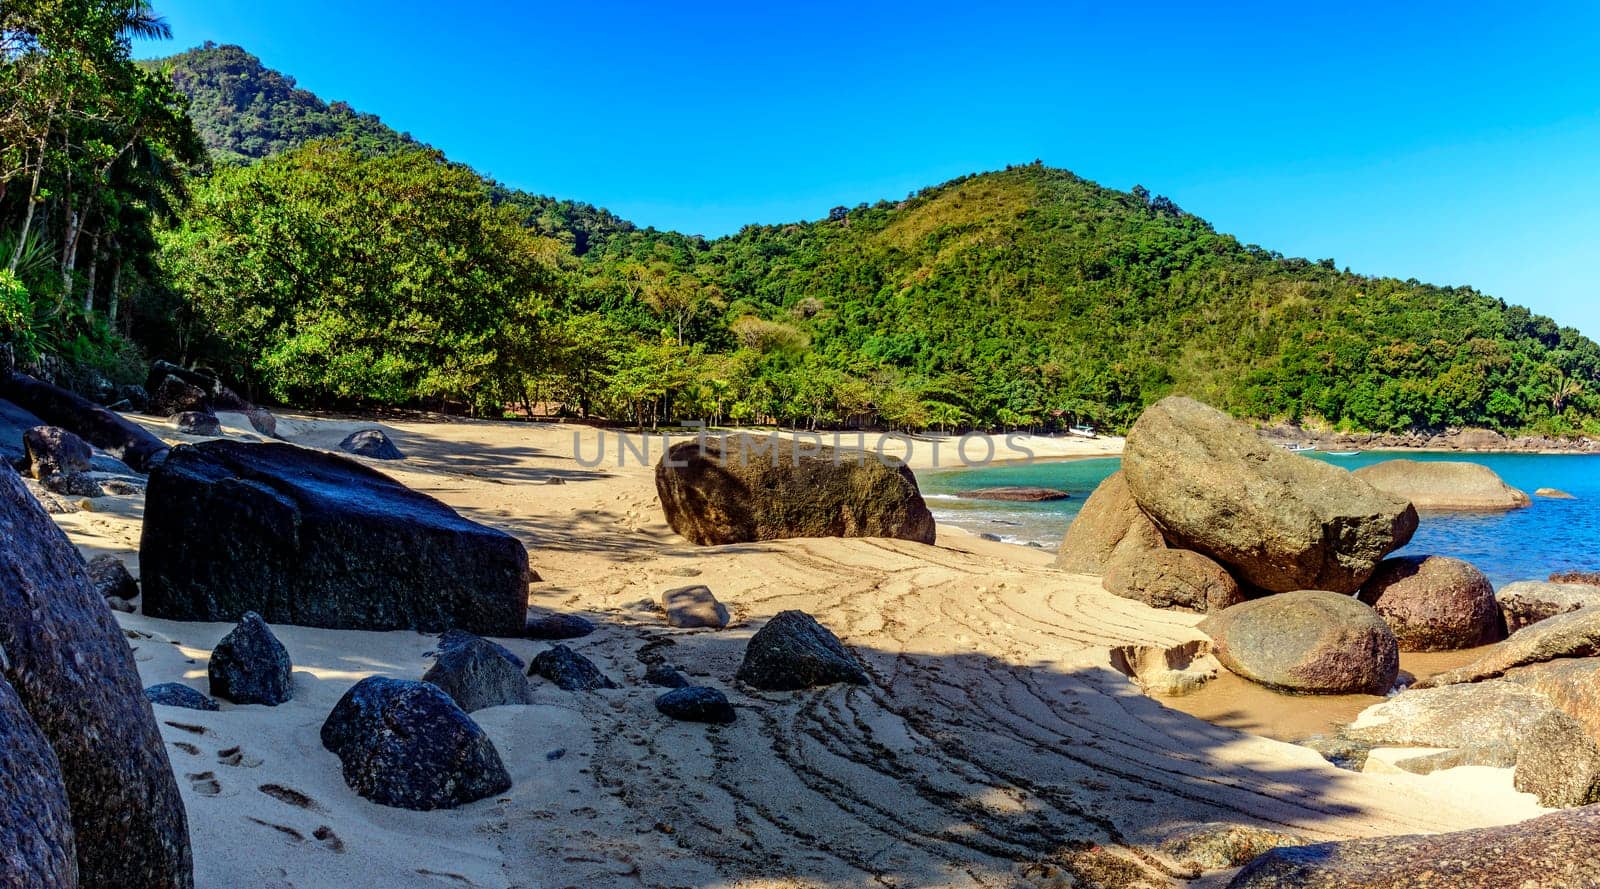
(1456,143)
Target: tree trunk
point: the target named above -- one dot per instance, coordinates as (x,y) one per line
(116,289)
(94,266)
(27,217)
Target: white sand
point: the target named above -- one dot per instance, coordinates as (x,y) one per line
(995,748)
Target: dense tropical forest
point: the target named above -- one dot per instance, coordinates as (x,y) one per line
(204,209)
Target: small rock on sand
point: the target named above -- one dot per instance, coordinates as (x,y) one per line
(250,665)
(793,652)
(477,673)
(373,444)
(556,626)
(176,694)
(693,607)
(696,703)
(569,670)
(111,578)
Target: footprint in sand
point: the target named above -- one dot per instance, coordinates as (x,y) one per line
(186,747)
(191,729)
(292,797)
(289,832)
(328,838)
(235,756)
(204,783)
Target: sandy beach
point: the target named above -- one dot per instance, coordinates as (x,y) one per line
(996,746)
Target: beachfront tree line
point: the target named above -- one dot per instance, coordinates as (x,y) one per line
(324,260)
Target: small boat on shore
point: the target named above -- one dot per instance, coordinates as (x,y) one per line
(1343,453)
(1299,449)
(1083,431)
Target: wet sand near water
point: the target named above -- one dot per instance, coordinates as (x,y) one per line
(1236,703)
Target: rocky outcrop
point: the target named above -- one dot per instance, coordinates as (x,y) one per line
(35,825)
(1109,524)
(1571,684)
(214,394)
(176,694)
(1589,577)
(1015,494)
(1542,853)
(1214,846)
(1280,521)
(309,538)
(373,444)
(406,744)
(1308,641)
(476,674)
(1172,578)
(1443,485)
(1559,763)
(1458,716)
(102,428)
(70,664)
(1530,601)
(52,450)
(568,670)
(1434,603)
(793,652)
(696,703)
(743,488)
(175,397)
(693,607)
(1553,494)
(250,665)
(1576,634)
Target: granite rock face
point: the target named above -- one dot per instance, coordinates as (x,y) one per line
(1575,634)
(1527,602)
(1109,524)
(36,845)
(568,670)
(743,488)
(102,428)
(1552,852)
(312,539)
(1172,578)
(1281,522)
(70,665)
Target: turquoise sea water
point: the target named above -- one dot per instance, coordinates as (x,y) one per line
(1523,544)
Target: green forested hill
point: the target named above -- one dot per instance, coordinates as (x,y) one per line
(1016,298)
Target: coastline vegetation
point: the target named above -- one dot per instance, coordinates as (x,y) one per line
(205,209)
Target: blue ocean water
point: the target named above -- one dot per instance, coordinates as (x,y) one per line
(1523,544)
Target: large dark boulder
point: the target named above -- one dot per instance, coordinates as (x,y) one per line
(53,450)
(1439,485)
(1559,763)
(1308,641)
(215,395)
(406,744)
(556,625)
(312,539)
(1281,521)
(1434,603)
(174,397)
(743,488)
(793,652)
(14,422)
(1552,852)
(111,578)
(36,848)
(1496,714)
(102,428)
(70,664)
(477,673)
(250,665)
(1172,578)
(372,444)
(1110,524)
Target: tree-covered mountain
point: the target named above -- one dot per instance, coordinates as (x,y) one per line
(330,259)
(245,111)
